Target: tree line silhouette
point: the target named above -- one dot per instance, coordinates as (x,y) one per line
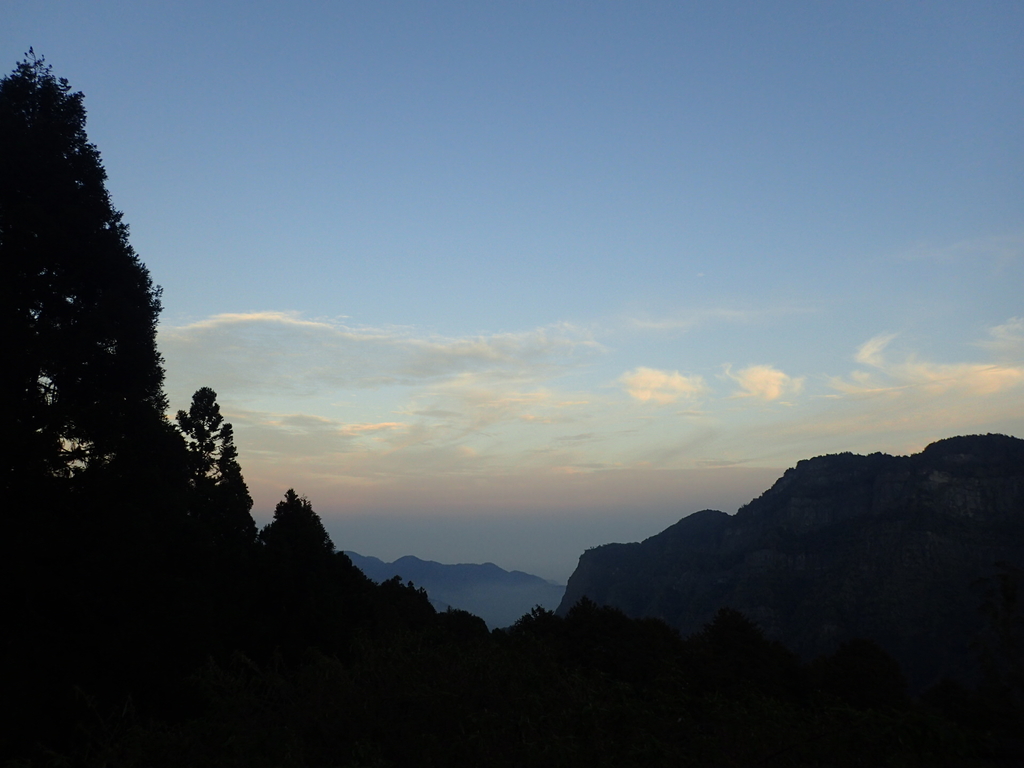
(149,622)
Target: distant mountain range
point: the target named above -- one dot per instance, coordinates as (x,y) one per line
(497,596)
(921,554)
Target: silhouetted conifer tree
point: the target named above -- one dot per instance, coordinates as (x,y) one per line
(82,378)
(296,531)
(308,588)
(91,472)
(219,498)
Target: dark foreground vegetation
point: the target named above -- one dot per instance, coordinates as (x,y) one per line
(148,622)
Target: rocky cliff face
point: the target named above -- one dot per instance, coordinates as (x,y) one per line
(898,549)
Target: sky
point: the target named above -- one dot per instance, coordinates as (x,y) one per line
(504,281)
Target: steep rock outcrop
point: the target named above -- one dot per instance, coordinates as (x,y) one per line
(896,549)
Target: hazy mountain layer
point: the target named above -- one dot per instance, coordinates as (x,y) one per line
(906,551)
(497,596)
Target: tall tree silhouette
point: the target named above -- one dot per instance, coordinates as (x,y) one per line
(82,378)
(92,474)
(296,532)
(219,497)
(306,582)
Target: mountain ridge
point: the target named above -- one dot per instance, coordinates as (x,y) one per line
(897,549)
(497,596)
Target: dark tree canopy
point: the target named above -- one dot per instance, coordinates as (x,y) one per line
(219,497)
(94,558)
(82,378)
(297,529)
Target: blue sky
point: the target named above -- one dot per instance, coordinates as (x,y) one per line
(502,281)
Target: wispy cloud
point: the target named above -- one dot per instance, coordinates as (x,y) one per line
(935,378)
(764,382)
(1001,249)
(321,404)
(475,402)
(283,351)
(362,429)
(891,376)
(649,385)
(687,321)
(870,352)
(692,319)
(1006,341)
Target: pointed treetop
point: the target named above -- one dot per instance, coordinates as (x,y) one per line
(82,381)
